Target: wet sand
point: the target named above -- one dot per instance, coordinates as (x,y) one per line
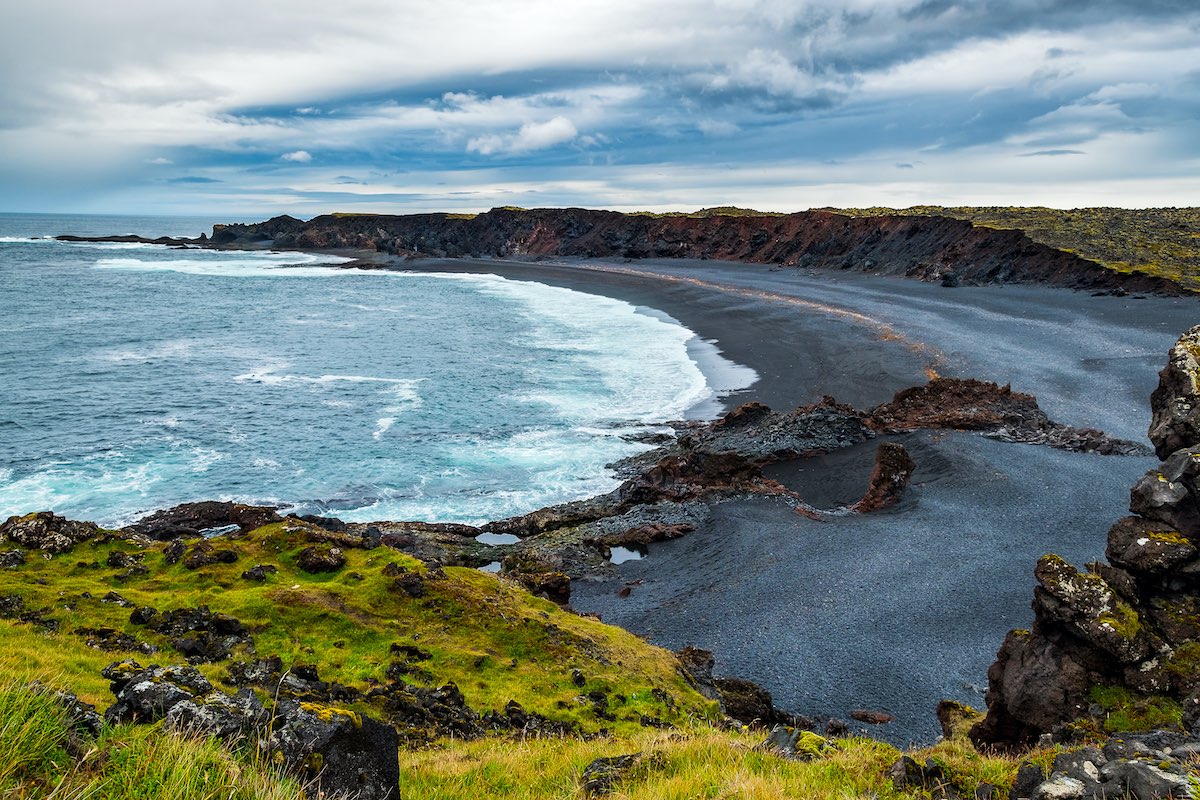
(897,610)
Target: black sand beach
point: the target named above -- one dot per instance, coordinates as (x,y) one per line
(897,610)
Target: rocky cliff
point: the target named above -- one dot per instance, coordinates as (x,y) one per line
(1128,628)
(928,248)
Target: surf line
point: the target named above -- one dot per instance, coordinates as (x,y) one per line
(885,331)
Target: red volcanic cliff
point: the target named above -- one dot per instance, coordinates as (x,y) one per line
(928,248)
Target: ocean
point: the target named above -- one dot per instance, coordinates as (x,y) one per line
(136,377)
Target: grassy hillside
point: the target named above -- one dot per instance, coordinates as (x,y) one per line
(62,619)
(1159,241)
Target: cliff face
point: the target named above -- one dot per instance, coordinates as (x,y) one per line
(927,248)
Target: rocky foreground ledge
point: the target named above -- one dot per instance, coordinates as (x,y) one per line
(929,248)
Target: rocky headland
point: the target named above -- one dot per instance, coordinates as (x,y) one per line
(930,248)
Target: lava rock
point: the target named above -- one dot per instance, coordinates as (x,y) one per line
(341,752)
(1175,403)
(321,559)
(205,554)
(259,572)
(12,558)
(192,519)
(47,532)
(602,775)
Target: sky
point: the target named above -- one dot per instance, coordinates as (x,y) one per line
(258,107)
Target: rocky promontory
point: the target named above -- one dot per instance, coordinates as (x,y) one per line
(930,248)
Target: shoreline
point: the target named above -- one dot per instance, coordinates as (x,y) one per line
(896,610)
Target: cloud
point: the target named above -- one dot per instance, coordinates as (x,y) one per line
(1053,153)
(605,92)
(531,136)
(192,179)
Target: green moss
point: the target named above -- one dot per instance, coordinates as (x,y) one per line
(1122,619)
(1125,711)
(1185,662)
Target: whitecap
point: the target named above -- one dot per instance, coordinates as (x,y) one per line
(382,426)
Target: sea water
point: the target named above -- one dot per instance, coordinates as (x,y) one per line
(135,377)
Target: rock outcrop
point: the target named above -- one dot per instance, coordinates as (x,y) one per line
(339,753)
(1132,623)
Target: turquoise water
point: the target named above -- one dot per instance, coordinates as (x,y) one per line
(135,377)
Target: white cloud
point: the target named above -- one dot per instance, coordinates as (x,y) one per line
(531,136)
(299,156)
(159,161)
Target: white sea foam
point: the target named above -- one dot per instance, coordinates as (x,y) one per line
(642,360)
(382,426)
(233,263)
(28,240)
(109,488)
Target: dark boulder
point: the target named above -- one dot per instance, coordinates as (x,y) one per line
(194,519)
(342,753)
(47,532)
(321,558)
(259,572)
(602,775)
(205,554)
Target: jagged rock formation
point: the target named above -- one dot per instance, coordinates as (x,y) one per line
(931,248)
(1133,622)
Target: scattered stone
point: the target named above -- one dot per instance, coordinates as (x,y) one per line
(118,560)
(218,714)
(200,634)
(745,701)
(553,586)
(12,558)
(110,639)
(174,551)
(205,554)
(338,753)
(321,558)
(142,615)
(116,599)
(871,717)
(410,583)
(259,572)
(11,606)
